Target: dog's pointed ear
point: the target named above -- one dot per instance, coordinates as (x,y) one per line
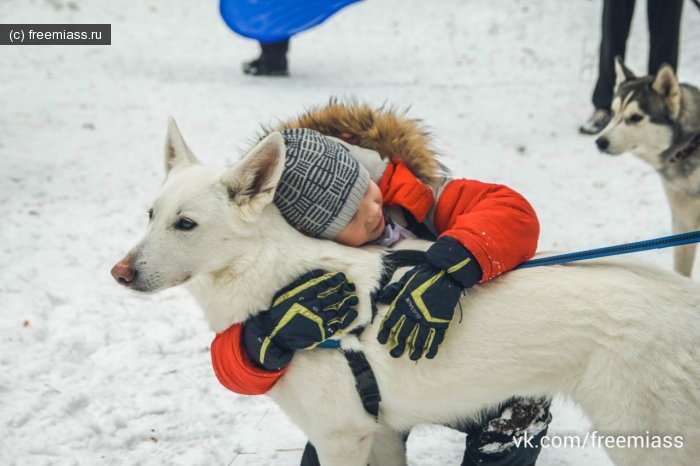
(666,85)
(251,183)
(176,151)
(622,73)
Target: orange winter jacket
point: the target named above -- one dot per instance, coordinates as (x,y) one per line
(496,224)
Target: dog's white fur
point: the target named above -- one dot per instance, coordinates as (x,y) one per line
(621,337)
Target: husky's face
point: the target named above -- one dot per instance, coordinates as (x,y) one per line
(203,218)
(645,111)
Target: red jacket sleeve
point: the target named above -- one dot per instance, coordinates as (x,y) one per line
(234,368)
(496,224)
(401,187)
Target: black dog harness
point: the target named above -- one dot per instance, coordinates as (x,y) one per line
(365,382)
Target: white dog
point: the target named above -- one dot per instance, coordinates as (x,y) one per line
(621,337)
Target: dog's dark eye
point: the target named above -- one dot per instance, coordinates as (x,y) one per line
(636,118)
(185,224)
(150,214)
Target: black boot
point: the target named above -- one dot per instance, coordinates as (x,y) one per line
(271,62)
(597,122)
(510,436)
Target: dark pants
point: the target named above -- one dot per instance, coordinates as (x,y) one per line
(310,457)
(524,455)
(274,54)
(487,433)
(664,18)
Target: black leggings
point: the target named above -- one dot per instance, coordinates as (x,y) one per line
(664,19)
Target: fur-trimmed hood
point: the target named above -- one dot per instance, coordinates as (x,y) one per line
(385,130)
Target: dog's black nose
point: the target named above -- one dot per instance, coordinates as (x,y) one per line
(602,143)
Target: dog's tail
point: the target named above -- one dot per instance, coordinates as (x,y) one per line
(386,130)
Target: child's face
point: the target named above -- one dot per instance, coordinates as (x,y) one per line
(368,222)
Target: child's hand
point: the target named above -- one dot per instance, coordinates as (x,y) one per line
(315,307)
(422,305)
(423,302)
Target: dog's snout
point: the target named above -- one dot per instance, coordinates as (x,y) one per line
(123,273)
(602,143)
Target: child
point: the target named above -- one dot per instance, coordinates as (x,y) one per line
(481,230)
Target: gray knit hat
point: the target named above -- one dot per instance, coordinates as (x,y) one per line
(321,186)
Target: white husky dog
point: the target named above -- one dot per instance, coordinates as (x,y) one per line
(620,337)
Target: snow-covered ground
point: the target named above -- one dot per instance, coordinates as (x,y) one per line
(93,374)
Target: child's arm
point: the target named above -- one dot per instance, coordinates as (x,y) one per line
(484,230)
(249,358)
(493,222)
(234,368)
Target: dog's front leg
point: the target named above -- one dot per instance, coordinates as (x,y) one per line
(318,393)
(388,448)
(685,214)
(344,449)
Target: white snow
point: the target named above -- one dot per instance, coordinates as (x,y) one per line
(93,374)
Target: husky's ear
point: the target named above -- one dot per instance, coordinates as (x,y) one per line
(666,85)
(622,73)
(251,183)
(176,151)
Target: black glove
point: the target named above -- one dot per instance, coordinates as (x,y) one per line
(315,307)
(423,302)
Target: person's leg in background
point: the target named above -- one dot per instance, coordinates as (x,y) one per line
(617,19)
(664,18)
(271,62)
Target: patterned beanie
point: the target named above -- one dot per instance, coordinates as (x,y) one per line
(321,185)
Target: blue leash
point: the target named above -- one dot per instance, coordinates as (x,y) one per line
(656,243)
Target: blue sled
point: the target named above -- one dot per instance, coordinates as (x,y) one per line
(277,20)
